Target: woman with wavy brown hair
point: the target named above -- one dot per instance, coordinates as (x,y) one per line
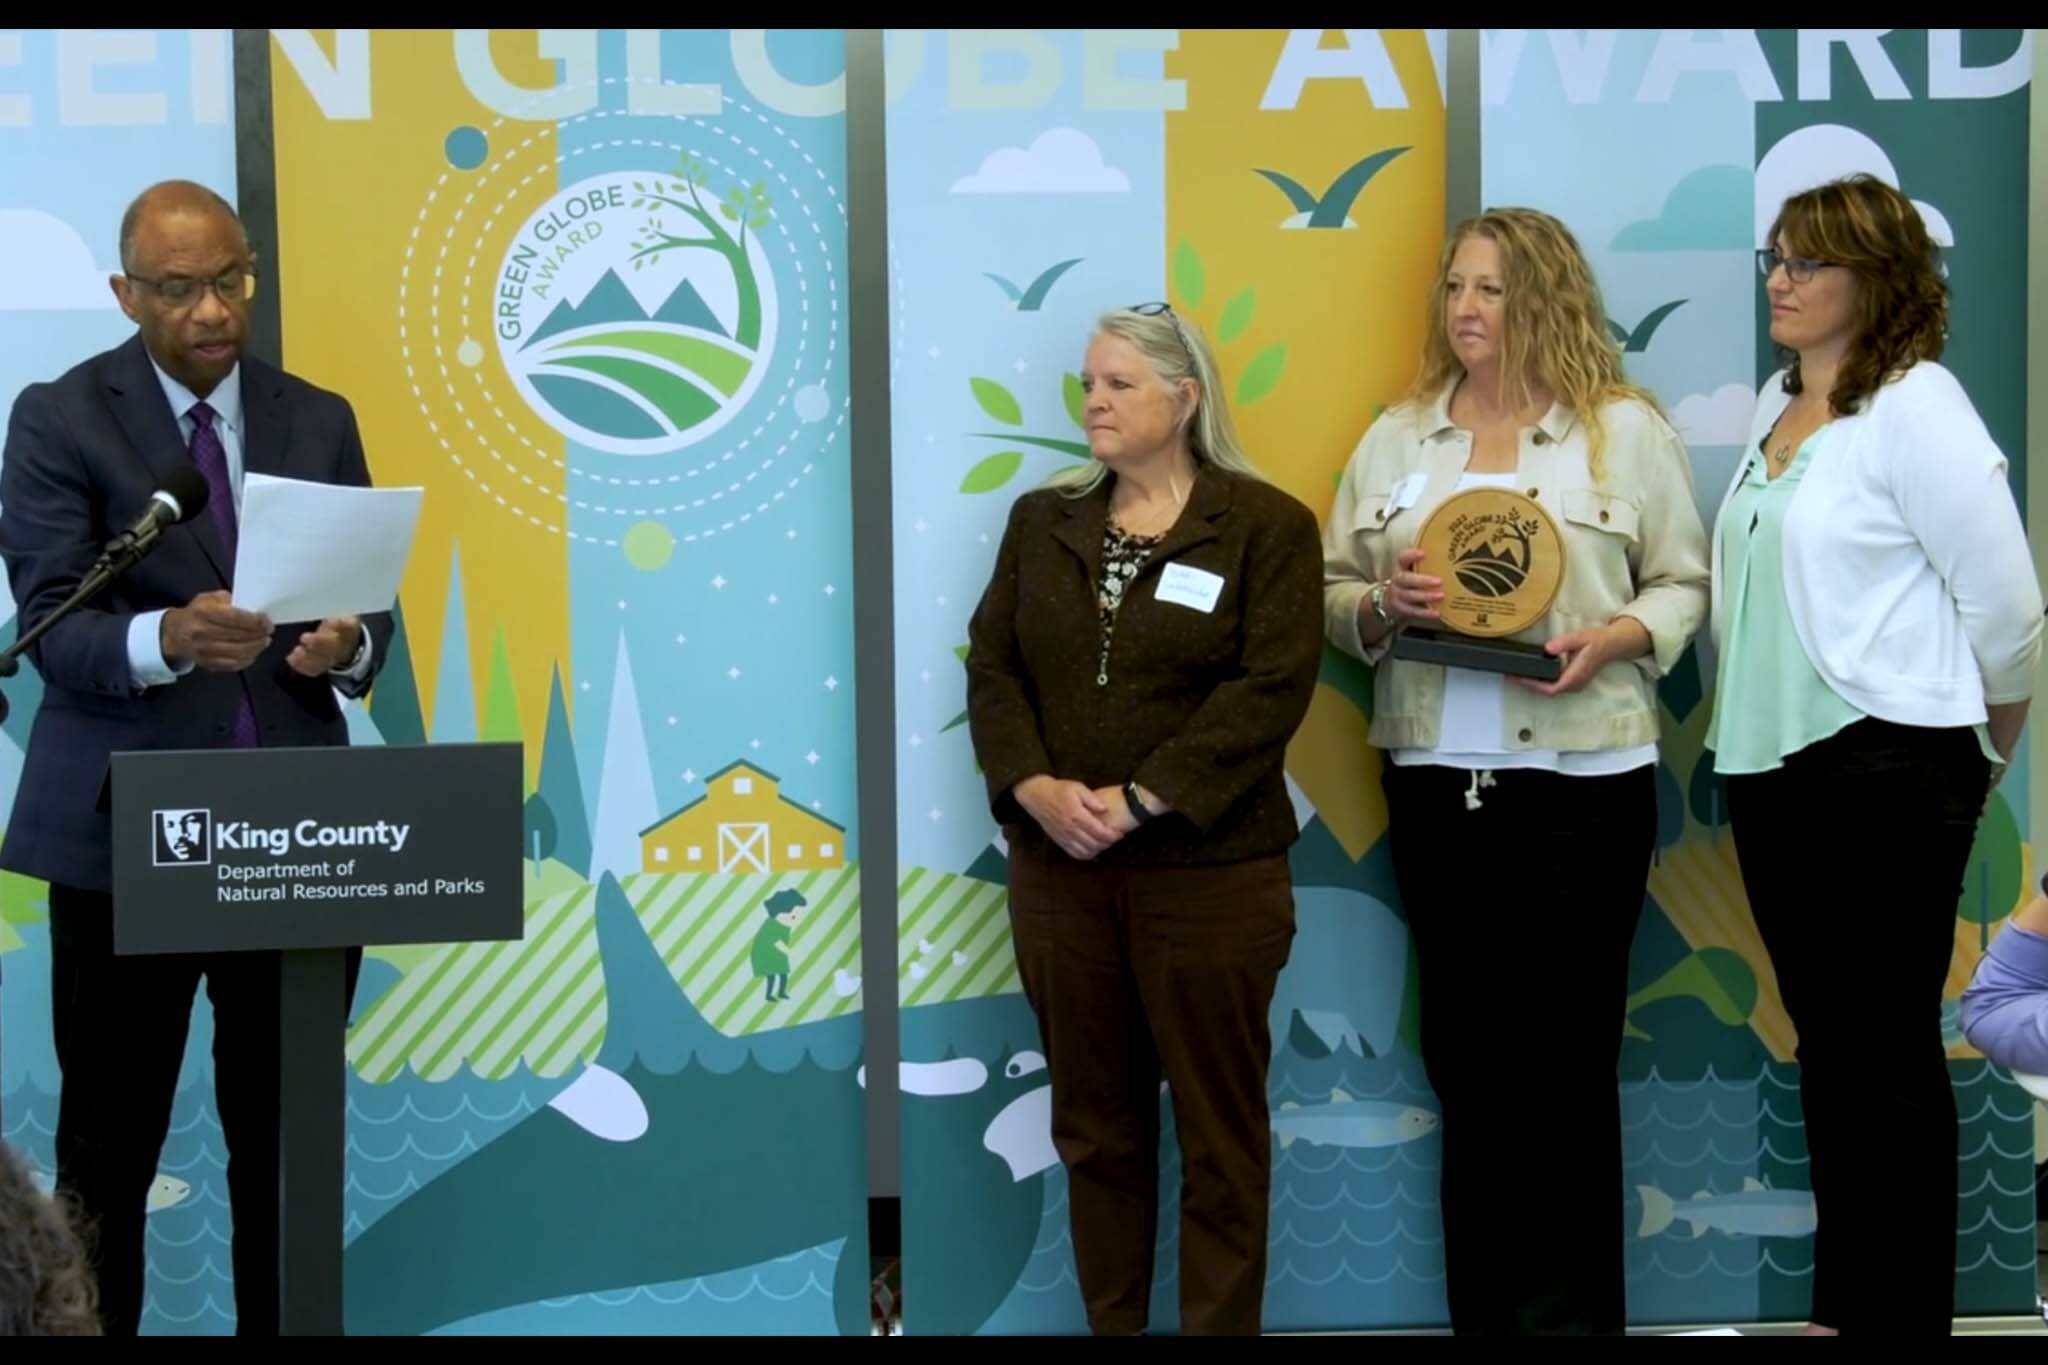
(46,1288)
(1522,815)
(1879,622)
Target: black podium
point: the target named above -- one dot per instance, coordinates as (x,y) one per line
(315,851)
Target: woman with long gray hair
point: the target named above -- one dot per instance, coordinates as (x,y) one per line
(1146,647)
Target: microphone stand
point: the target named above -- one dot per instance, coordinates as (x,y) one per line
(120,555)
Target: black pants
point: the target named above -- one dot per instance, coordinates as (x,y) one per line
(120,1026)
(1863,838)
(1134,972)
(1522,914)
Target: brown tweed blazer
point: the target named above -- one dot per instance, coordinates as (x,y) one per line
(1198,705)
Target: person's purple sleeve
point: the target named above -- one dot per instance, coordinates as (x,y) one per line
(2005,1009)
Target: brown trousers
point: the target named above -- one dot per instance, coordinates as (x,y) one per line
(1135,969)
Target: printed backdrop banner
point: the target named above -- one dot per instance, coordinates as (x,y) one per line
(587,288)
(1715,128)
(1285,190)
(87,118)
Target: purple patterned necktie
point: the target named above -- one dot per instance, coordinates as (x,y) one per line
(212,459)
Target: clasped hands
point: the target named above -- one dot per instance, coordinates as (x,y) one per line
(212,633)
(1081,820)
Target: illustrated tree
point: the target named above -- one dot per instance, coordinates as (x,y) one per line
(540,829)
(1991,883)
(749,208)
(1670,811)
(1709,797)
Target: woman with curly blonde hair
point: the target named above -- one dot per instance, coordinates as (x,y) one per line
(1879,623)
(46,1288)
(1548,787)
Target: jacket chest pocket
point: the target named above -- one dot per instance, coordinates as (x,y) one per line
(1374,541)
(1593,510)
(1374,511)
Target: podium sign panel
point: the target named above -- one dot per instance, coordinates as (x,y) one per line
(218,850)
(312,852)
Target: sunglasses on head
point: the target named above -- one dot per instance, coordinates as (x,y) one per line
(1163,309)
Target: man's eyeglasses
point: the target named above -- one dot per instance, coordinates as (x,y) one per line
(235,285)
(1798,269)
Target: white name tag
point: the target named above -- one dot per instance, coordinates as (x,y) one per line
(1190,587)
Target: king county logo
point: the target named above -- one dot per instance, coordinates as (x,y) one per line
(635,312)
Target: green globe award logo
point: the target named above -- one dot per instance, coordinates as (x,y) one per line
(636,312)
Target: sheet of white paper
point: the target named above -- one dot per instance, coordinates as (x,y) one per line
(309,551)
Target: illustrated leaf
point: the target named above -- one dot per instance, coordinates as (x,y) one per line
(1076,400)
(960,653)
(954,723)
(997,401)
(758,221)
(638,186)
(1262,374)
(993,472)
(1077,449)
(730,213)
(1188,280)
(1237,315)
(639,261)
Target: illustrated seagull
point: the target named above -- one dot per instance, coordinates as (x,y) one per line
(1332,210)
(1028,300)
(1639,339)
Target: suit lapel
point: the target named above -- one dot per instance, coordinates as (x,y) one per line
(137,399)
(1207,500)
(266,422)
(1080,529)
(1085,519)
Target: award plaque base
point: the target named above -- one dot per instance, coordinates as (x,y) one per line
(1421,645)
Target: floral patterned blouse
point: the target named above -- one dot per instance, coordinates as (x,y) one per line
(1123,554)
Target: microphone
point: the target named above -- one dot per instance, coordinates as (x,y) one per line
(181,497)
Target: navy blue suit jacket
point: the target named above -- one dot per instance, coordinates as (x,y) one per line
(84,452)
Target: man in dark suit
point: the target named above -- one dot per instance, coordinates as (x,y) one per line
(163,659)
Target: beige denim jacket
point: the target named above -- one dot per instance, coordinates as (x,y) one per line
(1634,546)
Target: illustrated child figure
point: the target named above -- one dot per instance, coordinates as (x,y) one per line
(771,941)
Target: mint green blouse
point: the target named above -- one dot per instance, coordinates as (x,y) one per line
(1769,701)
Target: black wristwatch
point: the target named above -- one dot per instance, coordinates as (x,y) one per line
(1138,811)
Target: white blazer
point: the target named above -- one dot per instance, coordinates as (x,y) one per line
(1907,571)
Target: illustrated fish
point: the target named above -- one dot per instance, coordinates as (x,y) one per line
(1345,1122)
(165,1192)
(1756,1210)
